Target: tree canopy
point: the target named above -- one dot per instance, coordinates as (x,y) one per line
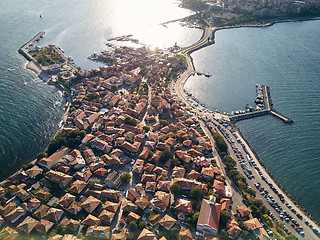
(130,121)
(220,143)
(175,188)
(70,139)
(125,178)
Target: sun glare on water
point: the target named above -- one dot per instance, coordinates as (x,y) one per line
(142,19)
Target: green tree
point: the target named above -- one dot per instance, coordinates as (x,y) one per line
(165,156)
(41,155)
(132,226)
(146,128)
(224,218)
(130,121)
(175,188)
(93,181)
(196,193)
(245,235)
(164,123)
(71,139)
(220,143)
(142,225)
(125,178)
(224,235)
(251,192)
(290,237)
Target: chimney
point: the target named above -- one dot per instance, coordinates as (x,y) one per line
(212,200)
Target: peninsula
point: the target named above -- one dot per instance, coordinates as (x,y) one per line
(138,158)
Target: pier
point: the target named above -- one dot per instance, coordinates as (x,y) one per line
(268,110)
(24,51)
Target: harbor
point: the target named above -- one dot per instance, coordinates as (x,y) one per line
(268,109)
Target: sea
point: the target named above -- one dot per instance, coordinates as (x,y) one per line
(284,57)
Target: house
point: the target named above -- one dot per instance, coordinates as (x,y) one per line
(186,184)
(133,217)
(54,215)
(142,203)
(146,235)
(193,174)
(150,186)
(70,224)
(91,220)
(207,172)
(113,179)
(209,217)
(219,188)
(34,172)
(243,212)
(163,186)
(90,204)
(111,206)
(185,234)
(15,214)
(112,195)
(28,224)
(129,206)
(41,212)
(132,194)
(178,172)
(74,208)
(51,161)
(43,226)
(161,200)
(98,232)
(106,216)
(233,227)
(183,205)
(32,205)
(66,200)
(252,224)
(77,187)
(167,222)
(225,204)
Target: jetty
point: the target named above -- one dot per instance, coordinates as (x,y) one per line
(24,48)
(268,109)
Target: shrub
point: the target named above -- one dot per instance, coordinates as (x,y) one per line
(125,178)
(165,156)
(132,226)
(130,121)
(146,128)
(175,188)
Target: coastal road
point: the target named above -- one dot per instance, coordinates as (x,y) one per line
(237,198)
(266,184)
(205,40)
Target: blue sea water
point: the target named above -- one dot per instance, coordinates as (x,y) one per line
(30,110)
(285,57)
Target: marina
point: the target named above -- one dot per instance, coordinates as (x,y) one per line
(268,109)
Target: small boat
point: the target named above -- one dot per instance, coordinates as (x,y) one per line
(40,16)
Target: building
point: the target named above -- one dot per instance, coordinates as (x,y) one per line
(209,217)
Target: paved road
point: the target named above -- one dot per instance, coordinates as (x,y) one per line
(237,198)
(309,234)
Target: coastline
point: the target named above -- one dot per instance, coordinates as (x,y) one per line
(194,47)
(287,194)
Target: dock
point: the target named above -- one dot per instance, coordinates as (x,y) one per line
(268,109)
